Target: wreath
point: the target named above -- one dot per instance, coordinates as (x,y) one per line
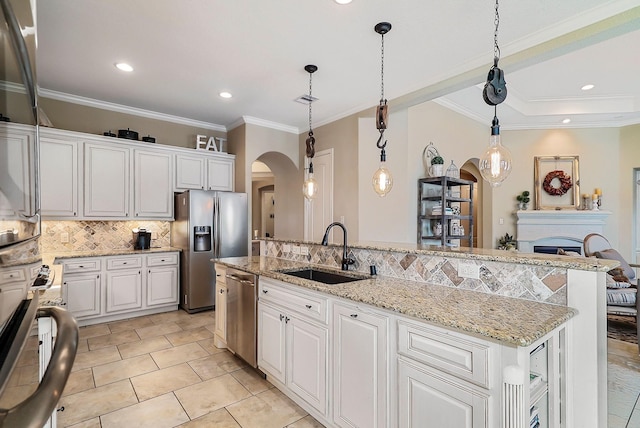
(565,183)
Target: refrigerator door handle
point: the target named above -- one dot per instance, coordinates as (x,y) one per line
(218,224)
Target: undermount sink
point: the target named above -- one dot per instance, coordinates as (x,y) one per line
(323,276)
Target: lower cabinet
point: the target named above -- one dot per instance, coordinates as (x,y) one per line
(360,357)
(81,294)
(429,399)
(220,332)
(124,290)
(294,351)
(99,289)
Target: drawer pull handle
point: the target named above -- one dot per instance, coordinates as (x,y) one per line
(286,319)
(124,263)
(81,266)
(162,260)
(281,317)
(354,315)
(221,291)
(308,306)
(265,291)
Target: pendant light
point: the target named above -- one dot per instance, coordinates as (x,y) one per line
(310,186)
(495,163)
(382,179)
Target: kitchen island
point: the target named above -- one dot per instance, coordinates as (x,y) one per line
(425,325)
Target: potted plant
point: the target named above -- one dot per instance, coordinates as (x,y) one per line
(523,200)
(506,242)
(437,166)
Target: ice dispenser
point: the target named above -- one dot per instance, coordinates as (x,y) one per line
(202,238)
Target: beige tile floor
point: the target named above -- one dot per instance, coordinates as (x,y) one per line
(164,371)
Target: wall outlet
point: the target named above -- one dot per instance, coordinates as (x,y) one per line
(286,248)
(295,249)
(64,237)
(304,251)
(468,270)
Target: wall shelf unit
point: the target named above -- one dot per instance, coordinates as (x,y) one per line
(445,211)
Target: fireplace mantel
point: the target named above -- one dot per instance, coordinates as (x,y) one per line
(559,228)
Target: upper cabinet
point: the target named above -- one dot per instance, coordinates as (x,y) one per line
(211,172)
(106,178)
(153,195)
(94,177)
(15,174)
(59,178)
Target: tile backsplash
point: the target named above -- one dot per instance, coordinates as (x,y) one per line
(100,235)
(532,282)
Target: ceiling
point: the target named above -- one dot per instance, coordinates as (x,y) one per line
(184,53)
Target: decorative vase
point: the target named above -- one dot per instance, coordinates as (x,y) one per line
(523,206)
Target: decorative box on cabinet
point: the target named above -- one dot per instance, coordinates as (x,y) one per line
(445,211)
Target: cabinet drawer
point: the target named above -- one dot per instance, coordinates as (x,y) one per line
(221,272)
(81,265)
(124,263)
(310,305)
(162,259)
(458,355)
(12,275)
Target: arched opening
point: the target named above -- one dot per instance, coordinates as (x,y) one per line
(469,171)
(276,197)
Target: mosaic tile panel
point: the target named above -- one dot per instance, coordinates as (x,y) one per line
(538,283)
(100,235)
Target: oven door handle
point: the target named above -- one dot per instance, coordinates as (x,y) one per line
(37,408)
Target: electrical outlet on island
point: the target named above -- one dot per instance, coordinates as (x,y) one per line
(286,248)
(468,270)
(304,251)
(296,249)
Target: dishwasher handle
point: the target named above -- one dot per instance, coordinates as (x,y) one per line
(240,280)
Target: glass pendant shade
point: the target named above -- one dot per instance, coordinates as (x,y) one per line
(310,187)
(382,180)
(495,163)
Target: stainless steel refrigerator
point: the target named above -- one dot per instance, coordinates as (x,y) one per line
(207,225)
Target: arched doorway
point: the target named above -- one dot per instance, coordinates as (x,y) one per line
(469,171)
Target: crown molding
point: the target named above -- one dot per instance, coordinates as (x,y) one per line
(90,102)
(249,120)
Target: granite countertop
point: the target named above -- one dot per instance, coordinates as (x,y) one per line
(536,259)
(59,256)
(513,321)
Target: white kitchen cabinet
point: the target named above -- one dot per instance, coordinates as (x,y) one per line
(360,367)
(162,285)
(191,172)
(220,174)
(292,344)
(429,399)
(58,178)
(220,332)
(17,142)
(106,181)
(123,290)
(81,293)
(103,289)
(271,342)
(153,192)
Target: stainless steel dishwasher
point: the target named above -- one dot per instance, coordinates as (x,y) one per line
(241,315)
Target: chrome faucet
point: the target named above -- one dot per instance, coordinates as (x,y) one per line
(346,260)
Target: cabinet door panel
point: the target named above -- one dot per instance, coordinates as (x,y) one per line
(430,400)
(17,146)
(59,178)
(221,312)
(191,173)
(271,341)
(307,361)
(106,181)
(162,286)
(153,195)
(124,290)
(360,367)
(81,293)
(221,174)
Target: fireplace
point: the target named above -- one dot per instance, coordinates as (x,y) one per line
(546,230)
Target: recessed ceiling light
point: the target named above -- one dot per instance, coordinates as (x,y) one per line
(587,87)
(343,1)
(225,94)
(567,120)
(124,66)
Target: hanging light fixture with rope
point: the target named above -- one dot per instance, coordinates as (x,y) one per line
(495,163)
(382,179)
(310,186)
